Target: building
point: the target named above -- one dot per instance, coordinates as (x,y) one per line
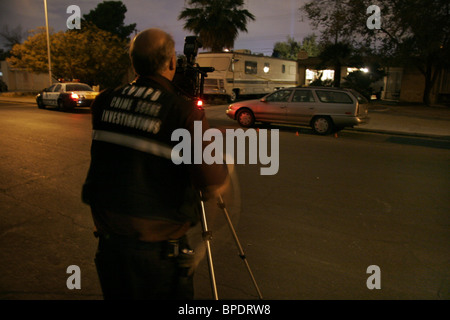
(22,80)
(403,84)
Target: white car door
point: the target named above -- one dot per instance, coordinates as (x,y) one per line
(54,95)
(46,95)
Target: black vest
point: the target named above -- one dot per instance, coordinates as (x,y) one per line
(131,172)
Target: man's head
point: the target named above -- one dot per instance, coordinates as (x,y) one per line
(152,52)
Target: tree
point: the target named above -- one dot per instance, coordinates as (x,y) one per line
(109,16)
(10,37)
(217,23)
(331,18)
(3,54)
(310,45)
(287,50)
(338,55)
(420,36)
(92,55)
(32,53)
(290,48)
(363,82)
(413,32)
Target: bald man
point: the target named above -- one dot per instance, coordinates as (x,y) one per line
(141,202)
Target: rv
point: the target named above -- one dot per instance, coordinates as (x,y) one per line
(240,73)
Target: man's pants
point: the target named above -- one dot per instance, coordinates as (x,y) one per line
(130,269)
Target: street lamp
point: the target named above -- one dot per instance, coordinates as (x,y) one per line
(48,46)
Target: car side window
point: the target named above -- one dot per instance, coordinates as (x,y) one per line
(57,88)
(279,96)
(333,97)
(303,96)
(51,88)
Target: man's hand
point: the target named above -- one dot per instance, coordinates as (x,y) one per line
(213,192)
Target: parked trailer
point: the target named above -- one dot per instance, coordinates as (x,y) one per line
(241,73)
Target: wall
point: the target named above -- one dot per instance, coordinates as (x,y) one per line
(22,80)
(413,85)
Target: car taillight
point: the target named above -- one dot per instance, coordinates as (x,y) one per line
(74,96)
(199,104)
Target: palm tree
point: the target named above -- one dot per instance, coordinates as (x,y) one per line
(216,22)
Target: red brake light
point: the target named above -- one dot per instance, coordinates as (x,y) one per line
(74,96)
(200,104)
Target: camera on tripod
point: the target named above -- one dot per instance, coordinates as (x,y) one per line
(190,77)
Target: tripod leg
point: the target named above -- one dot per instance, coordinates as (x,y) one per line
(207,238)
(221,204)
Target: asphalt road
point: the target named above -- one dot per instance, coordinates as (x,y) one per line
(335,207)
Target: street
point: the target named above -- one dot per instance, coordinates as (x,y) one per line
(338,205)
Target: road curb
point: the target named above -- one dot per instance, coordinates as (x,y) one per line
(401,133)
(16,100)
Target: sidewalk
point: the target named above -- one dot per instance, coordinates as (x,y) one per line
(413,120)
(385,117)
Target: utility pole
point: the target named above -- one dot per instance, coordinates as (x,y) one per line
(48,46)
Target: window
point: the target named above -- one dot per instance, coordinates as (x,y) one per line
(78,87)
(359,97)
(279,96)
(251,67)
(51,88)
(333,97)
(303,96)
(283,68)
(57,88)
(266,67)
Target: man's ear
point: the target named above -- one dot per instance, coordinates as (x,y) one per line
(173,63)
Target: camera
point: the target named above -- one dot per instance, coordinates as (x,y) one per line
(190,77)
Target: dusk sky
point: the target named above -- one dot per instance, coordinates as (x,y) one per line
(275,20)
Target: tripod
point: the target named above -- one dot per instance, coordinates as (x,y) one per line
(207,237)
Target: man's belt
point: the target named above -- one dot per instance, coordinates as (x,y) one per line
(168,248)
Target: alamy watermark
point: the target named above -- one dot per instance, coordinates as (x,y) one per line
(74,280)
(74,21)
(374,21)
(374,281)
(222,150)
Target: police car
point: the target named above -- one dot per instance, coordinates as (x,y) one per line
(66,96)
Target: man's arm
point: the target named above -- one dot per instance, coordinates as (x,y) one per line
(210,179)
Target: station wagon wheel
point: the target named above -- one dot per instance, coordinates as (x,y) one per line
(245,118)
(322,125)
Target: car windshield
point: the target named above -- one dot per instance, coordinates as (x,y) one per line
(78,87)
